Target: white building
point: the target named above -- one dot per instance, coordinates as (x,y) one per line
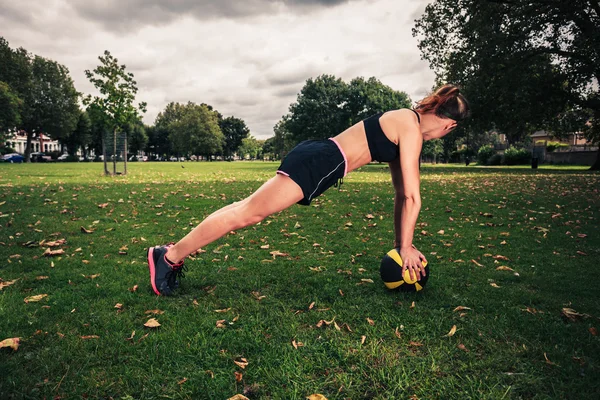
(39,142)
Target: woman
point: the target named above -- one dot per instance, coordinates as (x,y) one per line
(313,166)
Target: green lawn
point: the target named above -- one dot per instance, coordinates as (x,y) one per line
(513,342)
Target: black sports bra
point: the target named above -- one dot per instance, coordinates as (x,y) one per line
(382,149)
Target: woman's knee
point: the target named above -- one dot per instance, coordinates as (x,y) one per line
(247,215)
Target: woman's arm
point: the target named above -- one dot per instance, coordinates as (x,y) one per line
(398,199)
(407,204)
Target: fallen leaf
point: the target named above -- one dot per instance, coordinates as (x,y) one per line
(36,298)
(84,230)
(238,376)
(499,257)
(476,263)
(277,253)
(461,308)
(504,268)
(258,296)
(181,382)
(221,324)
(155,312)
(593,331)
(224,310)
(11,342)
(90,337)
(152,323)
(573,315)
(548,361)
(238,397)
(316,397)
(52,253)
(118,306)
(4,284)
(297,344)
(462,347)
(241,362)
(415,344)
(367,280)
(362,339)
(494,284)
(452,331)
(371,322)
(323,322)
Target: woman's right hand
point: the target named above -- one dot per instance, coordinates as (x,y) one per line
(412,259)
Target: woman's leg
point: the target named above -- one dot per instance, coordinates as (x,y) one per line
(277,194)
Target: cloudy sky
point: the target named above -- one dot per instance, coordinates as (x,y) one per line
(247,58)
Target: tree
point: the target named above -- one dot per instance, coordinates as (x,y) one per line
(522,63)
(191,129)
(433,149)
(10,116)
(137,139)
(318,112)
(251,147)
(326,106)
(234,130)
(80,137)
(117,94)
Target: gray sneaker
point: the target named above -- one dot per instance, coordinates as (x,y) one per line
(163,274)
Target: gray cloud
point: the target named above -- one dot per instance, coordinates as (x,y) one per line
(133,14)
(248,59)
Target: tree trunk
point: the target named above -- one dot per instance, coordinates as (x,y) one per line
(596,165)
(125,161)
(115,151)
(28,147)
(104,155)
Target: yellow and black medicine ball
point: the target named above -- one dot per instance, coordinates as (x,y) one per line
(391,274)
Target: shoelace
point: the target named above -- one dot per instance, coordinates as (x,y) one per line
(177,272)
(338,184)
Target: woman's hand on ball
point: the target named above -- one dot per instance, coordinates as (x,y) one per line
(411,260)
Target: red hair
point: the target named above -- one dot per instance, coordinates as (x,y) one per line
(445,102)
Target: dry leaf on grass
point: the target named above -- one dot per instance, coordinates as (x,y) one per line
(461,308)
(504,268)
(241,362)
(316,397)
(593,331)
(10,342)
(36,298)
(238,397)
(462,347)
(573,315)
(494,284)
(4,284)
(52,253)
(84,230)
(452,331)
(152,323)
(90,337)
(548,361)
(476,263)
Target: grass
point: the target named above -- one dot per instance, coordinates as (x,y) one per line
(513,342)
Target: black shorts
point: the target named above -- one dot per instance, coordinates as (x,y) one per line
(315,165)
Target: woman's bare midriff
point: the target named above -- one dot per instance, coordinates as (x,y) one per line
(353,141)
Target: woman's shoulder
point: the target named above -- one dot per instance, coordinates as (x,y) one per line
(400,120)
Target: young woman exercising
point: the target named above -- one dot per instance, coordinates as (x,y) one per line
(313,166)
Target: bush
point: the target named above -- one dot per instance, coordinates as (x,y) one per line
(496,159)
(514,156)
(551,146)
(484,154)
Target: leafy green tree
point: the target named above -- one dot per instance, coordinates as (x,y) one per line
(49,101)
(326,106)
(282,141)
(368,97)
(522,64)
(10,116)
(80,137)
(318,112)
(234,131)
(251,147)
(192,129)
(117,90)
(433,149)
(137,138)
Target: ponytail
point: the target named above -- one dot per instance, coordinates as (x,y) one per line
(445,102)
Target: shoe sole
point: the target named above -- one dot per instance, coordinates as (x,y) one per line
(152,269)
